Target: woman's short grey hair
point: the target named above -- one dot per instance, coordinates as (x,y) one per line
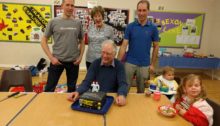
(97,9)
(112,43)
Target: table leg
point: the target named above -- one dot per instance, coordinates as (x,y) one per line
(212,73)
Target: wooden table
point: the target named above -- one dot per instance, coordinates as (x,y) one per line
(53,109)
(11,107)
(142,111)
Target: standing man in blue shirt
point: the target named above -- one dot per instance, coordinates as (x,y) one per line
(108,72)
(140,35)
(68,47)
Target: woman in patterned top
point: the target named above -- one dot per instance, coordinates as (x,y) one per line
(97,34)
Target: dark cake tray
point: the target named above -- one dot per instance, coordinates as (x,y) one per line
(102,111)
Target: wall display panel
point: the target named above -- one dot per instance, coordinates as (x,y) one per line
(179,29)
(81,13)
(117,18)
(23,22)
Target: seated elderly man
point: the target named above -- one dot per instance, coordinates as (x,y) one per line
(108,72)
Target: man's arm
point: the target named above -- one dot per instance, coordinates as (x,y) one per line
(122,85)
(82,48)
(89,78)
(154,56)
(44,45)
(122,49)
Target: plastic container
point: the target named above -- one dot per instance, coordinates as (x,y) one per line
(153,86)
(157,96)
(164,89)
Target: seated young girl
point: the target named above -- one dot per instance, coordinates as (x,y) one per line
(190,102)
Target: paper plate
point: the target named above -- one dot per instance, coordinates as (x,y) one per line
(167,110)
(102,111)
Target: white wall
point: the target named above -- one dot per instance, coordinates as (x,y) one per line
(29,53)
(213,41)
(213,46)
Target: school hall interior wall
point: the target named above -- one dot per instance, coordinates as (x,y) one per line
(29,53)
(214,48)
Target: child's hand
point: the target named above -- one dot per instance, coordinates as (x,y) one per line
(178,107)
(182,111)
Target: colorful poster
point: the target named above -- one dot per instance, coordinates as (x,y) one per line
(179,29)
(23,22)
(117,18)
(81,13)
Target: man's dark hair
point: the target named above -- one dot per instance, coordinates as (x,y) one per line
(144,1)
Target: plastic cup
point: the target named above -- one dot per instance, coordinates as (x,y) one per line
(157,96)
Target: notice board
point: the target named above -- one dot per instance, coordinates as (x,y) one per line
(21,22)
(116,18)
(179,29)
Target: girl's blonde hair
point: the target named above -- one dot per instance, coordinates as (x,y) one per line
(190,78)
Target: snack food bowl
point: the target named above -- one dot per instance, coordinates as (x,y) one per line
(167,111)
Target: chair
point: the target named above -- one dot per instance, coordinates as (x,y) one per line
(14,78)
(216,108)
(177,79)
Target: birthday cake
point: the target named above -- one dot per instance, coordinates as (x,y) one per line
(93,100)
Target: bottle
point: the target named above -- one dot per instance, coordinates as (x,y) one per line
(185,48)
(159,84)
(42,83)
(40,77)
